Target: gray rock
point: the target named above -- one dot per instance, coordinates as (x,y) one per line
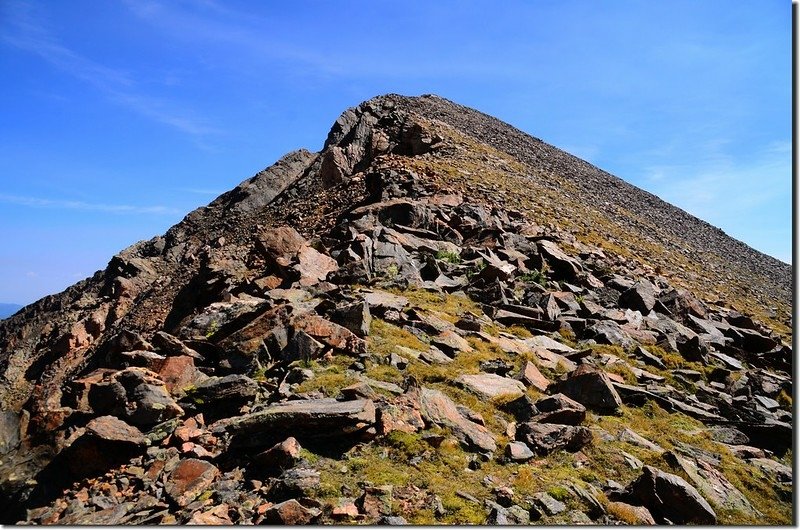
(640,297)
(355,317)
(548,504)
(489,386)
(544,438)
(436,408)
(670,497)
(310,418)
(592,388)
(518,452)
(559,408)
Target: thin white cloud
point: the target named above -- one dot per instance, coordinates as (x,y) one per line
(38,202)
(27,33)
(743,197)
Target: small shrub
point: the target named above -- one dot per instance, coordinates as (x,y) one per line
(623,512)
(559,493)
(785,400)
(449,256)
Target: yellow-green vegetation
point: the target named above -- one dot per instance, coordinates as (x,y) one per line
(784,399)
(448,256)
(448,306)
(669,430)
(384,337)
(622,512)
(329,378)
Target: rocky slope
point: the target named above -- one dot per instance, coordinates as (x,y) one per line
(435,319)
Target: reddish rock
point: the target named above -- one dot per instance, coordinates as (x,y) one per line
(290,512)
(177,373)
(531,376)
(105,443)
(280,244)
(314,266)
(189,479)
(344,509)
(280,456)
(215,516)
(327,332)
(592,388)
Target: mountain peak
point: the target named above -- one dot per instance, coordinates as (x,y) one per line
(433,290)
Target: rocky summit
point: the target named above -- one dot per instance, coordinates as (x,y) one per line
(435,319)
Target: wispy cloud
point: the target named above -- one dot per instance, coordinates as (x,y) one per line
(26,32)
(38,202)
(200,191)
(750,198)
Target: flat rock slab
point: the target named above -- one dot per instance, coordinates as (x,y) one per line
(382,301)
(543,341)
(438,409)
(544,438)
(189,479)
(309,418)
(491,385)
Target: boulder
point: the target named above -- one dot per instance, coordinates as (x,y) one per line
(530,375)
(280,245)
(564,267)
(290,512)
(518,452)
(559,408)
(544,438)
(280,456)
(356,317)
(640,297)
(190,478)
(592,388)
(105,443)
(313,418)
(670,497)
(489,386)
(438,409)
(313,266)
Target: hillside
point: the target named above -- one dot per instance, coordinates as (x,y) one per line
(435,319)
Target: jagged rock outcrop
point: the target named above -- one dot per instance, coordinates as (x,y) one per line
(411,293)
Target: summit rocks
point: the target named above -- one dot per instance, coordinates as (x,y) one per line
(435,319)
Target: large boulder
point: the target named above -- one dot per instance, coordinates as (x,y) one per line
(438,409)
(489,386)
(544,438)
(592,388)
(670,497)
(559,408)
(314,418)
(640,297)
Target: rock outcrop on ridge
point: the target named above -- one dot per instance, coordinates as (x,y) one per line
(435,319)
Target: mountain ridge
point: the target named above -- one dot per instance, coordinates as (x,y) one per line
(414,195)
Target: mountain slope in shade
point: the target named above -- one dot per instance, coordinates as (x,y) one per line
(432,292)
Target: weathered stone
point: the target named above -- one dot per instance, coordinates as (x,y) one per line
(280,456)
(712,483)
(544,438)
(634,438)
(294,483)
(302,347)
(190,478)
(640,297)
(280,244)
(559,408)
(543,341)
(313,266)
(311,418)
(592,388)
(436,408)
(10,431)
(327,332)
(518,452)
(489,386)
(563,266)
(375,501)
(531,376)
(773,468)
(451,343)
(355,317)
(640,514)
(290,512)
(216,516)
(178,373)
(670,497)
(548,504)
(105,443)
(219,397)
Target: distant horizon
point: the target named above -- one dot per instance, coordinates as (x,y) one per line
(122,122)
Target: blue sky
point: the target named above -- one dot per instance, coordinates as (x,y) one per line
(118,118)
